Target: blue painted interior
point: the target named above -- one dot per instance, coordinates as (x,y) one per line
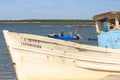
(105,25)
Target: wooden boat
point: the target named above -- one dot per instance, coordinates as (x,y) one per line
(37,57)
(41,58)
(108,29)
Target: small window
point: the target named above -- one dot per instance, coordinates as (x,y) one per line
(119,21)
(112,23)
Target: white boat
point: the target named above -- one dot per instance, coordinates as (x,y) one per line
(41,58)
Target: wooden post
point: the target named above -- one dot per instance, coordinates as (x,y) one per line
(117,22)
(97,26)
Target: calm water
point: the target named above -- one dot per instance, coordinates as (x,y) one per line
(6,68)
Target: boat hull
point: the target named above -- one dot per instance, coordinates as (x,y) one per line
(106,40)
(49,67)
(41,58)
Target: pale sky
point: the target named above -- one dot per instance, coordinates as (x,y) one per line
(55,9)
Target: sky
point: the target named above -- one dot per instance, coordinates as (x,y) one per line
(55,9)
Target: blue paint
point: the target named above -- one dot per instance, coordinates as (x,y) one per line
(105,25)
(105,28)
(64,37)
(110,39)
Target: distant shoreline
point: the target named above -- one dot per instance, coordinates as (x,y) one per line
(53,22)
(74,22)
(47,21)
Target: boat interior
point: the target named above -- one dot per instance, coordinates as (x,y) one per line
(111,20)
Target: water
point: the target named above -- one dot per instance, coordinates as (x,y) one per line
(6,68)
